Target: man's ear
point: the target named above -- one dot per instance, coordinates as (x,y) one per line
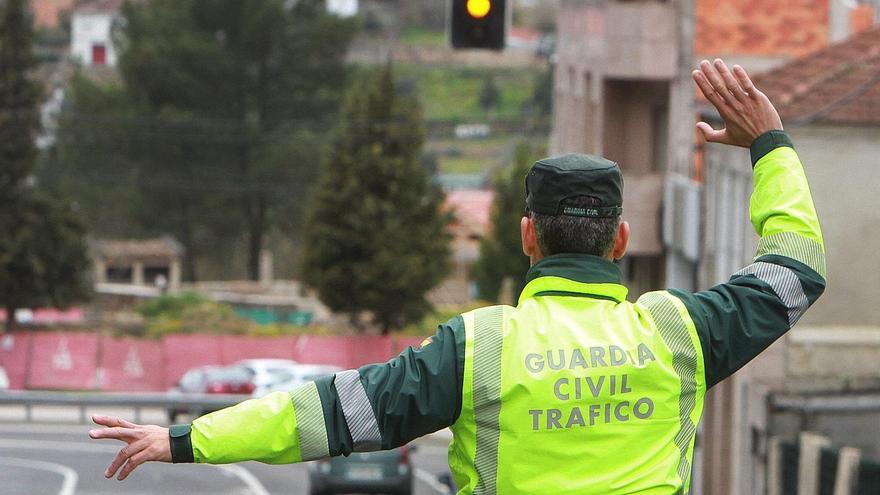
(621,240)
(528,237)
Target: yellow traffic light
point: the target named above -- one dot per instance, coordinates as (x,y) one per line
(479,8)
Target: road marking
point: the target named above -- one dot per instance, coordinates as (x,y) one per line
(431,480)
(245,477)
(47,429)
(68,487)
(56,446)
(239,472)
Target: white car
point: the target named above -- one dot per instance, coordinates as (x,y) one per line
(4,380)
(272,375)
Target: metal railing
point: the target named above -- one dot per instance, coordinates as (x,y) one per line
(192,403)
(195,404)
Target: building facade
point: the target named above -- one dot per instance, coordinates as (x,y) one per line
(623,91)
(91,33)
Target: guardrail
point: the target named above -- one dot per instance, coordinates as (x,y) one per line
(192,403)
(195,404)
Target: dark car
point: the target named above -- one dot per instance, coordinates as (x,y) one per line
(211,380)
(387,471)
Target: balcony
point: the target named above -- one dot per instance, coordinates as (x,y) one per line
(641,40)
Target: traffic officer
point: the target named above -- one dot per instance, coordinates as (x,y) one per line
(574,390)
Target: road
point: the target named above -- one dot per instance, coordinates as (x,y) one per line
(60,459)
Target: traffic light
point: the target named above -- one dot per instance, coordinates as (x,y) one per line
(478,24)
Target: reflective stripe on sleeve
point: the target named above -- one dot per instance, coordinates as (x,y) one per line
(309,414)
(358,412)
(784,283)
(796,247)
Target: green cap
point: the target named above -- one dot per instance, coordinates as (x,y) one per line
(553,180)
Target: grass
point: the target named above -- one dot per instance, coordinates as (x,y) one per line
(452,93)
(414,36)
(471,156)
(463,164)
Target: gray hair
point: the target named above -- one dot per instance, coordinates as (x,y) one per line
(571,234)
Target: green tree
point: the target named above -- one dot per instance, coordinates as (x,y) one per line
(490,94)
(542,92)
(43,256)
(43,259)
(19,97)
(217,125)
(501,253)
(376,238)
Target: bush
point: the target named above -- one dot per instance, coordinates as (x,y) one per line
(170,305)
(192,313)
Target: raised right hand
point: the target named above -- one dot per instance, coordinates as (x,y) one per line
(746,111)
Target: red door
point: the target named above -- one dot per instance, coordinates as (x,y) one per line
(99,54)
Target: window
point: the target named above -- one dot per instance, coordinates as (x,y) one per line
(119,275)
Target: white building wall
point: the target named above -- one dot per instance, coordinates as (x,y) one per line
(842,167)
(88,30)
(343,8)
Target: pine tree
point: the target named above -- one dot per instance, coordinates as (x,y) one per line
(43,258)
(376,239)
(490,94)
(501,253)
(19,96)
(212,130)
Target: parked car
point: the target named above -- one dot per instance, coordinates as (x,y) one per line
(273,375)
(387,471)
(265,373)
(230,380)
(211,380)
(299,375)
(4,380)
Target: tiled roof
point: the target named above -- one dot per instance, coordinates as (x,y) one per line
(137,249)
(839,84)
(772,28)
(47,12)
(100,7)
(472,208)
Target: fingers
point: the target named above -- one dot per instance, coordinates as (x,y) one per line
(133,462)
(708,91)
(745,81)
(732,85)
(111,421)
(124,455)
(715,80)
(712,135)
(115,433)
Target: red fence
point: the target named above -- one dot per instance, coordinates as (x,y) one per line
(131,365)
(89,361)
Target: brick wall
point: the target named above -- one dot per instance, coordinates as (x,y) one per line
(775,28)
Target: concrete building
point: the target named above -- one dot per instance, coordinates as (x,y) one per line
(139,262)
(623,90)
(91,33)
(829,101)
